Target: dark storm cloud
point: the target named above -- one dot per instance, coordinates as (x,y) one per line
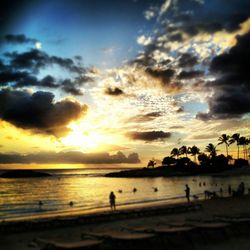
(190,74)
(193,28)
(49,82)
(185,19)
(20,79)
(232,85)
(35,60)
(167,79)
(235,60)
(227,104)
(23,67)
(145,118)
(38,111)
(17,39)
(164,75)
(71,157)
(149,135)
(69,86)
(114,91)
(2,65)
(187,60)
(32,60)
(178,37)
(214,15)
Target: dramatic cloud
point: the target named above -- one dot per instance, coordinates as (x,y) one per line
(191,28)
(35,60)
(149,135)
(38,111)
(18,39)
(199,19)
(71,157)
(164,75)
(232,86)
(21,79)
(190,74)
(69,86)
(187,60)
(23,69)
(167,80)
(114,91)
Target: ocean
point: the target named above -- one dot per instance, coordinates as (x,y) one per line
(88,189)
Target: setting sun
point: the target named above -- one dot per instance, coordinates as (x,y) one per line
(87,141)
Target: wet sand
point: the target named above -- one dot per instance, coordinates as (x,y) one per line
(73,228)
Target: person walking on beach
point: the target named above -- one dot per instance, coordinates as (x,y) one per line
(112,200)
(187,191)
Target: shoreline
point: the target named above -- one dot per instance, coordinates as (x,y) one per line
(162,171)
(131,210)
(206,213)
(97,211)
(29,224)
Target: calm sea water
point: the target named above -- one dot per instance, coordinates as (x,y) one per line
(89,189)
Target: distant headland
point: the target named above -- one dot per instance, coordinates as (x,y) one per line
(23,174)
(203,163)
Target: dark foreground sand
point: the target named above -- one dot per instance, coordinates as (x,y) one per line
(229,219)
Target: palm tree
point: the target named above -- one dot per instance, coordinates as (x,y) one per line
(175,152)
(183,150)
(224,139)
(247,149)
(244,142)
(194,151)
(211,149)
(235,138)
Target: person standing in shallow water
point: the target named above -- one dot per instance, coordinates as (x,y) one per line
(112,200)
(187,191)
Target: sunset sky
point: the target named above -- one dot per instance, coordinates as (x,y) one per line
(121,81)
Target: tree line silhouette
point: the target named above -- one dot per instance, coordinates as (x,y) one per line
(209,158)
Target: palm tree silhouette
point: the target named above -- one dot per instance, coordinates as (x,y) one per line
(183,150)
(243,141)
(211,149)
(224,139)
(248,142)
(194,151)
(175,152)
(235,138)
(151,163)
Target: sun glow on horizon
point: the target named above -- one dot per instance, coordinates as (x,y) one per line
(88,138)
(87,141)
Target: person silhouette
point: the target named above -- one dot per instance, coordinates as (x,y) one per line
(241,188)
(112,200)
(187,191)
(221,192)
(229,190)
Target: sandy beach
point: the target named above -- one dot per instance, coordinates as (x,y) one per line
(219,214)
